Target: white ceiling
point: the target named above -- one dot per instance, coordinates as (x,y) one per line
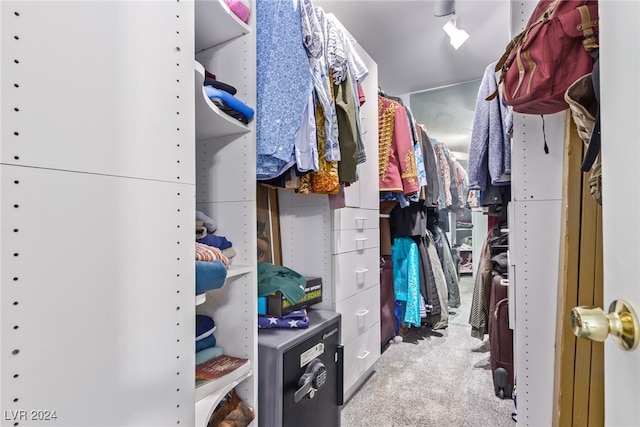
(412,51)
(413,54)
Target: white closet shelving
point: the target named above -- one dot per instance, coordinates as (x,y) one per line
(534,249)
(225,189)
(96,216)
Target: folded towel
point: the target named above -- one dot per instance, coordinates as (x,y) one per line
(207,222)
(208,342)
(209,253)
(210,275)
(205,326)
(207,354)
(219,242)
(296,319)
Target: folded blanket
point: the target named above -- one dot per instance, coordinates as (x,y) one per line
(296,319)
(273,278)
(209,253)
(208,342)
(219,242)
(210,275)
(208,354)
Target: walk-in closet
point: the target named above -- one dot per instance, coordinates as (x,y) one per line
(387,231)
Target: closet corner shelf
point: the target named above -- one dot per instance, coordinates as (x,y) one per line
(201,298)
(238,270)
(207,403)
(215,23)
(211,122)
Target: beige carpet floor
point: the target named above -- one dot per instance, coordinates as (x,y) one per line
(434,378)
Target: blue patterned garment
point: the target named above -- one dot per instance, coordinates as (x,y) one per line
(417,149)
(406,277)
(313,28)
(284,83)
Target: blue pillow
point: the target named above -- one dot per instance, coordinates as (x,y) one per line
(205,326)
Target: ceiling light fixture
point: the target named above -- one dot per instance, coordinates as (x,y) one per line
(456,36)
(444,7)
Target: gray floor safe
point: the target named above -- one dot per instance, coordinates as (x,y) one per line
(300,373)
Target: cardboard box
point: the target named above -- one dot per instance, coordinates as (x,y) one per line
(278,305)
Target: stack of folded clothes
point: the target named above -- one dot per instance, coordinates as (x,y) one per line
(213,255)
(205,339)
(222,95)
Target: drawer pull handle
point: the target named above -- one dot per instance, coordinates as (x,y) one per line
(360,225)
(360,243)
(359,281)
(363,355)
(363,124)
(363,312)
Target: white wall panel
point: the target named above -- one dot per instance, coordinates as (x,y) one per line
(539,174)
(306,237)
(102,87)
(226,168)
(536,287)
(534,243)
(97,298)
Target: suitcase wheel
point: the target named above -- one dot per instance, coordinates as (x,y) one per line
(501,383)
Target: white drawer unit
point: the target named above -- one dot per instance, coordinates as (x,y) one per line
(355,219)
(354,272)
(355,240)
(359,313)
(360,355)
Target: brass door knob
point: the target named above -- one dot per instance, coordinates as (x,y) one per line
(621,322)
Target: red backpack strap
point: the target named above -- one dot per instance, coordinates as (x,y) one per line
(587,25)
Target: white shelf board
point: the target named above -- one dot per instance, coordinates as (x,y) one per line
(211,122)
(238,270)
(206,405)
(216,23)
(201,298)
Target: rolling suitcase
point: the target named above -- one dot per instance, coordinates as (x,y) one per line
(500,338)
